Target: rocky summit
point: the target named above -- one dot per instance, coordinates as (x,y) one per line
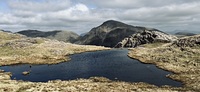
(117,34)
(144,37)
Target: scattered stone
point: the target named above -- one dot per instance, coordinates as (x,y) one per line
(2,71)
(26,72)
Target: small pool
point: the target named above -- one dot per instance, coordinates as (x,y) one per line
(113,64)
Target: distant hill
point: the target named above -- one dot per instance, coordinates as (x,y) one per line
(110,33)
(5,31)
(83,34)
(185,33)
(66,36)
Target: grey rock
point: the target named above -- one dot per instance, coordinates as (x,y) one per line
(190,41)
(144,37)
(26,72)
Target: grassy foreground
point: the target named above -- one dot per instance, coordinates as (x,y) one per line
(93,84)
(183,60)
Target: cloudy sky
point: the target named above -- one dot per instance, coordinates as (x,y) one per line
(82,15)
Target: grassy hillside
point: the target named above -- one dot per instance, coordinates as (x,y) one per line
(17,49)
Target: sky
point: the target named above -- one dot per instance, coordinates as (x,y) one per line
(82,15)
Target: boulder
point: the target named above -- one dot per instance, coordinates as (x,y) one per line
(26,72)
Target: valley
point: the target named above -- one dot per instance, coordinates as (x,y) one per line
(179,55)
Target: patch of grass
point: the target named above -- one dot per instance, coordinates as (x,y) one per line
(39,41)
(9,51)
(9,36)
(153,45)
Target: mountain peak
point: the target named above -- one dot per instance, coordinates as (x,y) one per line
(114,23)
(110,33)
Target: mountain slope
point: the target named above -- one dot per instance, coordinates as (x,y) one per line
(66,36)
(110,33)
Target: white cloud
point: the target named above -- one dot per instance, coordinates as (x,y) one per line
(81,15)
(123,4)
(80,7)
(39,5)
(8,19)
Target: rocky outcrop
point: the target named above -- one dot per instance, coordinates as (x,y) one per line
(66,36)
(190,41)
(144,37)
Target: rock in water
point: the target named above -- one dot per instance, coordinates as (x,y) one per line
(147,36)
(26,72)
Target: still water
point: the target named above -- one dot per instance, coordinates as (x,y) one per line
(113,64)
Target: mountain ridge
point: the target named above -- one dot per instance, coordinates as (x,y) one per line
(66,36)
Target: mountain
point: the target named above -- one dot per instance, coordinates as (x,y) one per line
(185,33)
(66,36)
(110,33)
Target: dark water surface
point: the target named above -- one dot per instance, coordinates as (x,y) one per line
(113,64)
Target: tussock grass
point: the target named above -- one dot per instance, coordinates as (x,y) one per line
(184,61)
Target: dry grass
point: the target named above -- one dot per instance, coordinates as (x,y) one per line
(184,61)
(17,49)
(93,84)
